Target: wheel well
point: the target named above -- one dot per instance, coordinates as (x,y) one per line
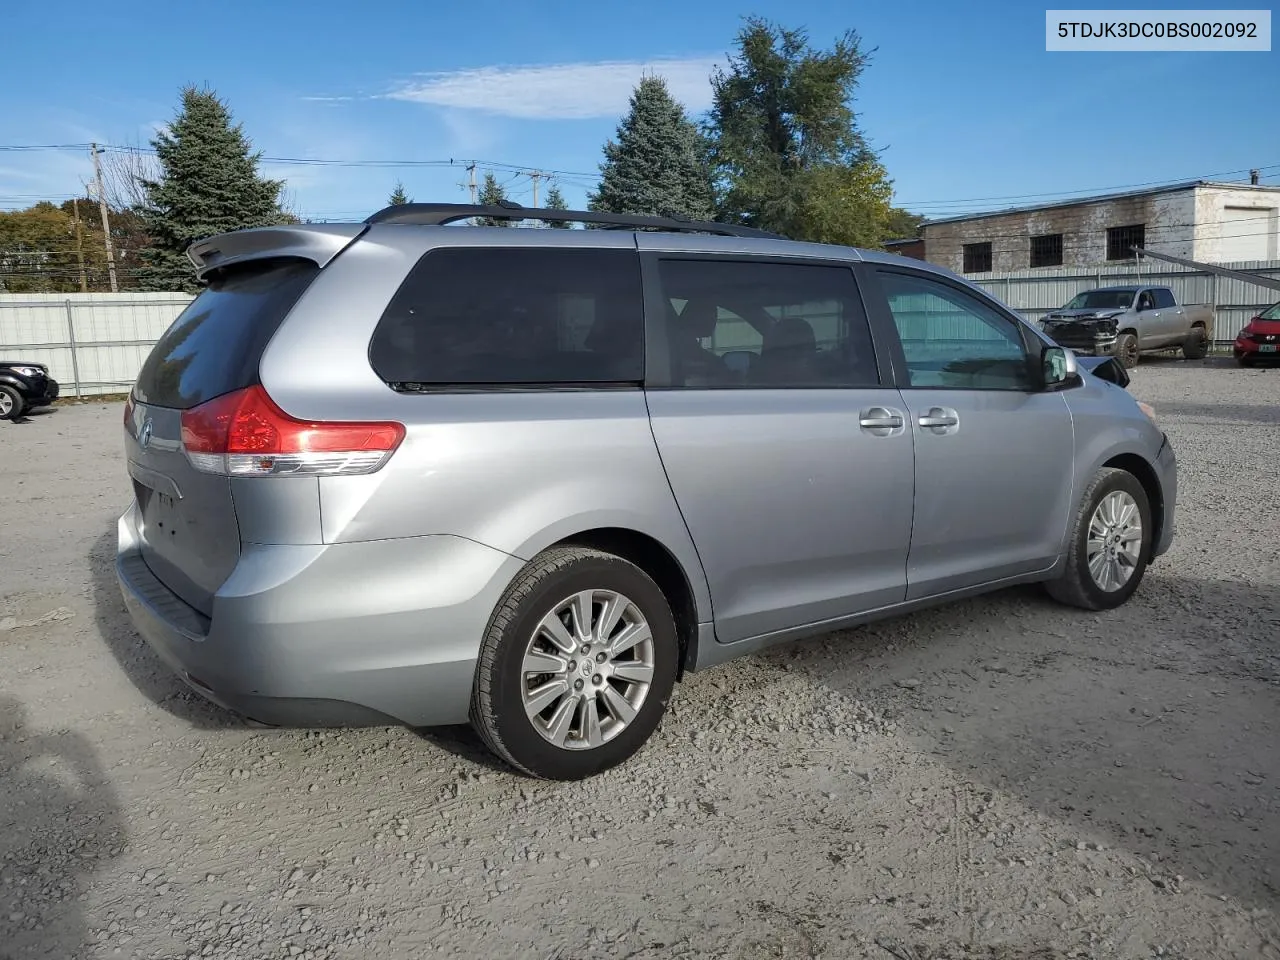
(1129,330)
(657,561)
(1145,475)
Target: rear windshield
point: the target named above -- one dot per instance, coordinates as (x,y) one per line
(502,315)
(1095,299)
(216,344)
(1272,314)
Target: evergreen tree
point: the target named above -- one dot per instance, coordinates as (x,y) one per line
(555,201)
(656,166)
(398,197)
(208,184)
(492,195)
(786,150)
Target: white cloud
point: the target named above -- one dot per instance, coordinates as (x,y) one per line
(567,91)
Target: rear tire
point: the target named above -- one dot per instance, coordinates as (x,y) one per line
(1196,346)
(11,403)
(593,702)
(1110,544)
(1127,351)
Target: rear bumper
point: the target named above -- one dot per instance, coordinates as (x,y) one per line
(338,634)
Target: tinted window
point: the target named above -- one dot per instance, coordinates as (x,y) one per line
(954,339)
(216,343)
(744,324)
(1164,297)
(477,315)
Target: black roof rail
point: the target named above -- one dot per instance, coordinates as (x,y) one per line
(437,214)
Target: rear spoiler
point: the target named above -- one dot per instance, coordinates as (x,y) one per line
(317,242)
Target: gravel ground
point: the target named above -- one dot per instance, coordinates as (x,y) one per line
(1003,778)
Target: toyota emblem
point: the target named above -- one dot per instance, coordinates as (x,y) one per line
(144,435)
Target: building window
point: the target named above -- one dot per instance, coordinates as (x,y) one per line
(1046,250)
(977,258)
(1120,239)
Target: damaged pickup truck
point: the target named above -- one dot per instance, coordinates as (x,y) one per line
(1126,322)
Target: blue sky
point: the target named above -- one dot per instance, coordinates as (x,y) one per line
(962,98)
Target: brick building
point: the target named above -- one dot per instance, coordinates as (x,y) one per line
(1202,220)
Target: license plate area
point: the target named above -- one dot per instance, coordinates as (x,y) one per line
(1267,348)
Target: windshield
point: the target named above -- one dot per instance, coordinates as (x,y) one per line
(1272,314)
(1094,299)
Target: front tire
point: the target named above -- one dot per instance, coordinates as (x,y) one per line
(1110,544)
(1126,350)
(11,403)
(1196,346)
(577,665)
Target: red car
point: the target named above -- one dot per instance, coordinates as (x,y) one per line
(1260,338)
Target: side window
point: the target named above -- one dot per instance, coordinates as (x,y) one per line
(953,339)
(536,316)
(757,325)
(1144,301)
(1164,298)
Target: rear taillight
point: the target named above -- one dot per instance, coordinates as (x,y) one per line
(244,434)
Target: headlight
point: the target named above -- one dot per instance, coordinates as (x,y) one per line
(27,371)
(1149,410)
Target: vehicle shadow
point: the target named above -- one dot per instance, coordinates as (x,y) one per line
(59,823)
(148,673)
(1152,727)
(154,680)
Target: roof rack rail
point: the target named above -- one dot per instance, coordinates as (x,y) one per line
(437,214)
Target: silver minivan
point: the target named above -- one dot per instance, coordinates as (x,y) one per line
(415,471)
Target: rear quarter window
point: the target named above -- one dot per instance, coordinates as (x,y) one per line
(216,344)
(514,316)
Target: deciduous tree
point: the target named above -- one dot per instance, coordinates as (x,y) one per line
(786,149)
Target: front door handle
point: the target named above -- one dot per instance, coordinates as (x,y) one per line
(881,421)
(939,418)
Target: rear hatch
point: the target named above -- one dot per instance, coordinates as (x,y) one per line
(189,535)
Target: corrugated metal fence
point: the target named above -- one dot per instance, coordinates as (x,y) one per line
(95,343)
(92,342)
(1033,293)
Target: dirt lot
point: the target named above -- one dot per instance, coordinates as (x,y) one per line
(1002,778)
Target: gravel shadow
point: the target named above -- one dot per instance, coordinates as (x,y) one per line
(60,822)
(1153,727)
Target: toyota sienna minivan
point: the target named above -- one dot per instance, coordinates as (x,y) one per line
(411,470)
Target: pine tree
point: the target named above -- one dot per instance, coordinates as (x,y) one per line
(656,166)
(208,184)
(555,201)
(492,195)
(398,197)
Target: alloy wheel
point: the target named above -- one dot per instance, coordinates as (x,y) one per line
(587,669)
(1114,547)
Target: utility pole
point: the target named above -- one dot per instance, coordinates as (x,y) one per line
(106,223)
(471,182)
(535,176)
(75,210)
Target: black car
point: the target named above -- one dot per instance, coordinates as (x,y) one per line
(24,385)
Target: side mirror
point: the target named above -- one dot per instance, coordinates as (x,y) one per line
(1058,367)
